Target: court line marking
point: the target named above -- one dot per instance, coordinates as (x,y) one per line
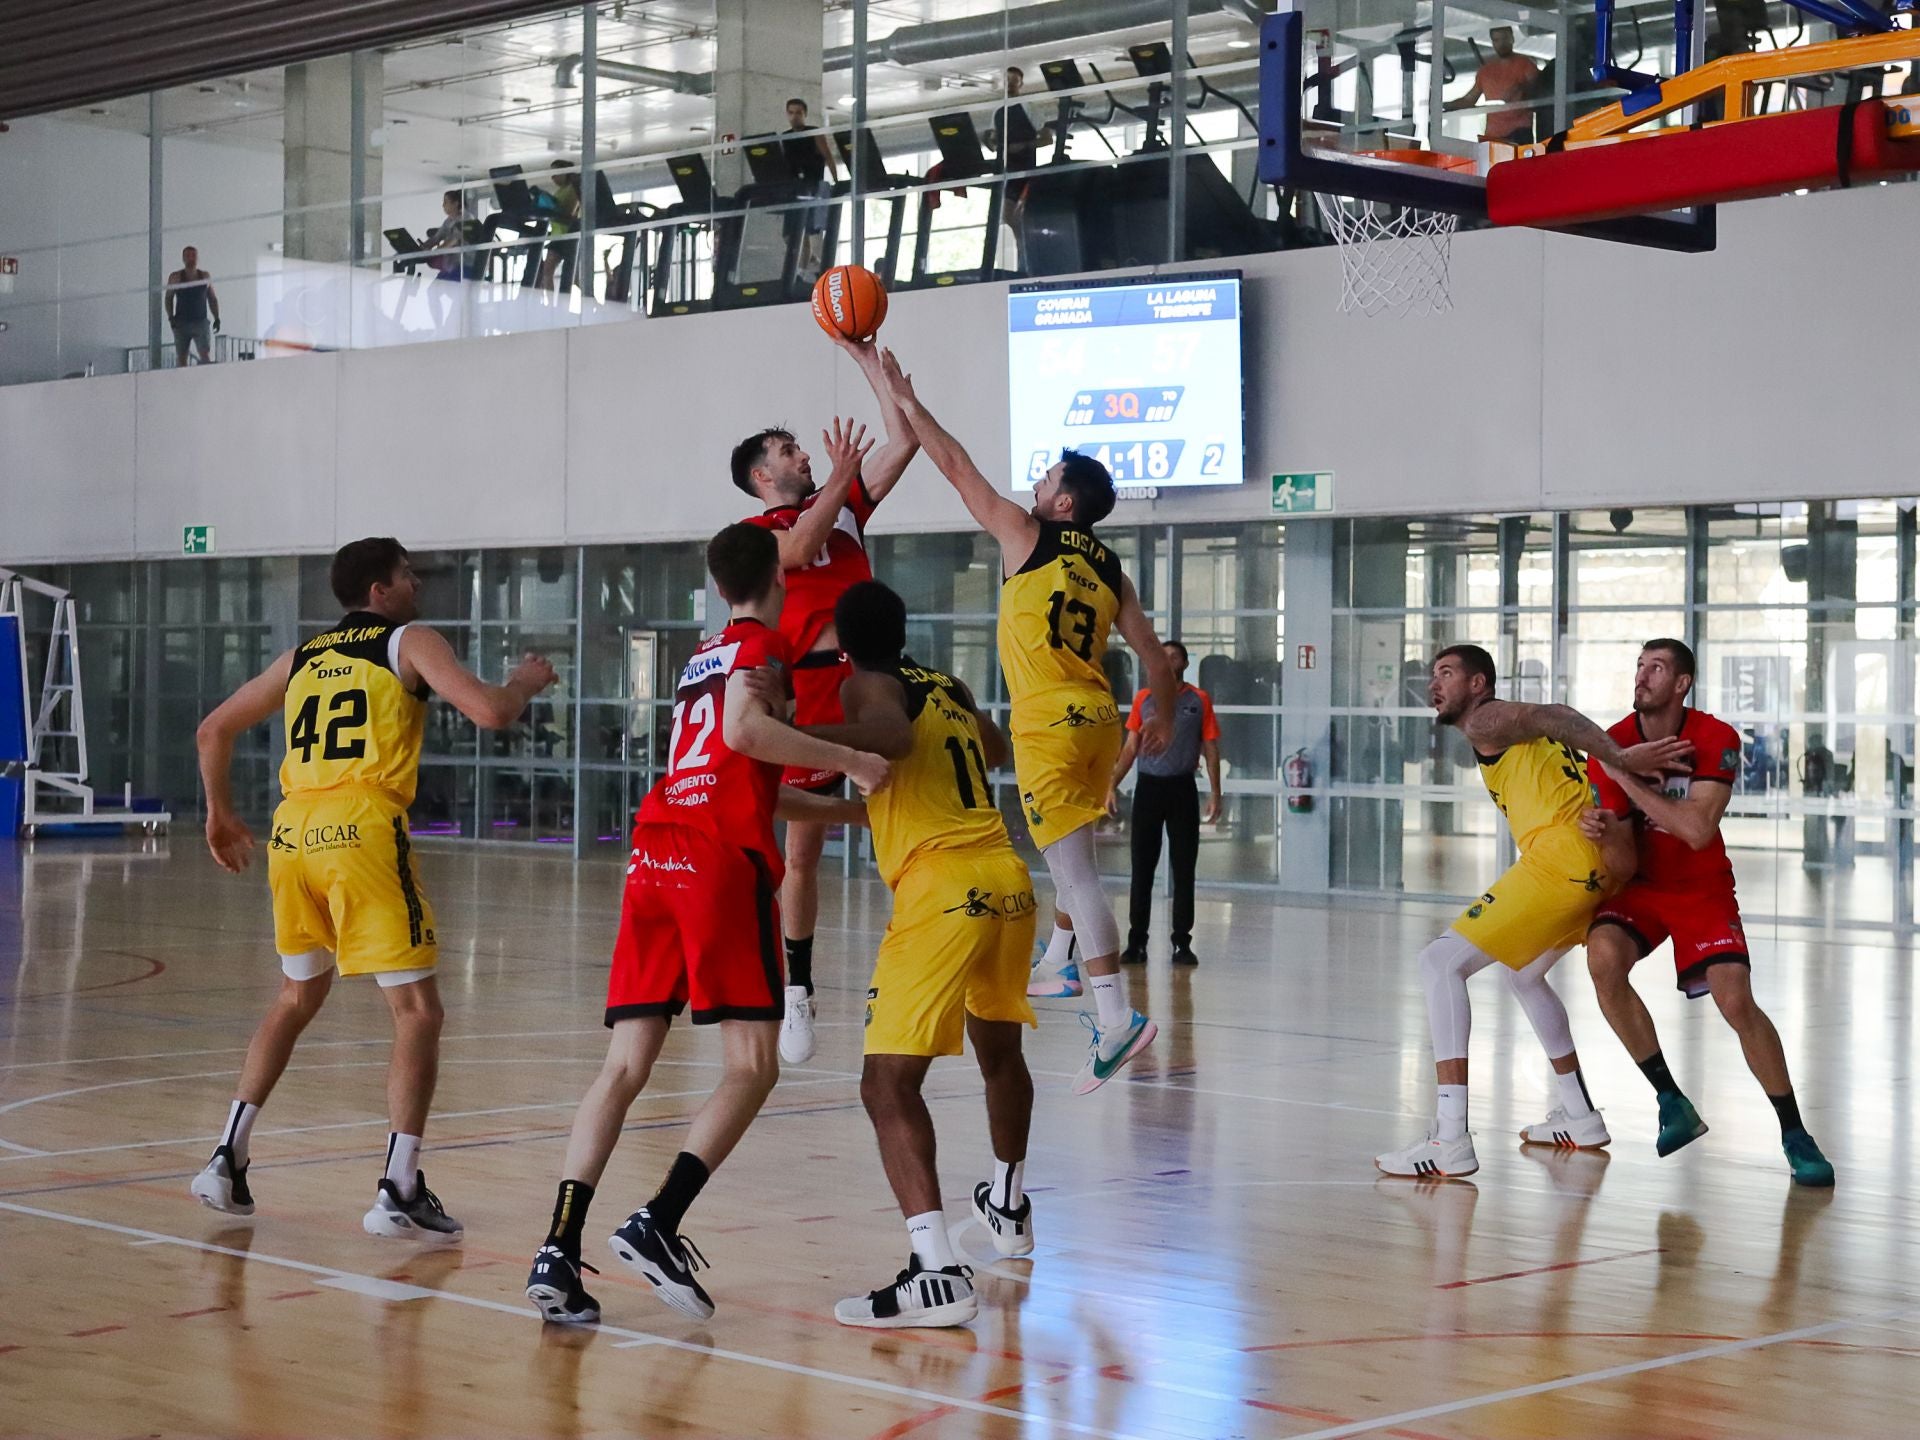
(1594,1377)
(370,1284)
(159,967)
(304,1045)
(1544,1269)
(27,1152)
(382,1120)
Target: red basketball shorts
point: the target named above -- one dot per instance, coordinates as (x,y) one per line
(816,701)
(1704,926)
(699,929)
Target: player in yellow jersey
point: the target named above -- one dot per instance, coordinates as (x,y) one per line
(954,959)
(1063,593)
(1530,758)
(339,861)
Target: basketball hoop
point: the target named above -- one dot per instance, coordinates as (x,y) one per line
(1392,257)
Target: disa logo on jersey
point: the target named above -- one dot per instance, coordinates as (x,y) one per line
(707,663)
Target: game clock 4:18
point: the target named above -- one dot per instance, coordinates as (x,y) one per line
(1135,462)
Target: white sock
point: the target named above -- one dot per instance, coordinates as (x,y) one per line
(1573,1095)
(1009,1177)
(1110,999)
(1059,951)
(928,1235)
(403,1163)
(239,1131)
(1452,1112)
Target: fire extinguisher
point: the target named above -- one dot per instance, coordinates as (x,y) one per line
(1299,776)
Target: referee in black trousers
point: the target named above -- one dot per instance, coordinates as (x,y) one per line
(1165,796)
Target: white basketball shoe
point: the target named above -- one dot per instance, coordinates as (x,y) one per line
(1432,1158)
(1589,1132)
(796,1029)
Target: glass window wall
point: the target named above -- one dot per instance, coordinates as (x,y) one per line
(1801,616)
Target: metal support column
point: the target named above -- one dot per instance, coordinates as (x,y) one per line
(583,264)
(856,198)
(156,263)
(1696,596)
(356,158)
(1562,686)
(578,724)
(1900,736)
(1177,154)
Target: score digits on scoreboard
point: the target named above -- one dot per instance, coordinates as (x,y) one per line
(1142,376)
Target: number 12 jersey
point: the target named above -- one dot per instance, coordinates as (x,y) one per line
(709,787)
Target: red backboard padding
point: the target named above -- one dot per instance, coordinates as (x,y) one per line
(1741,160)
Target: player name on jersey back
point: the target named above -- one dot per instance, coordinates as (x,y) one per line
(350,720)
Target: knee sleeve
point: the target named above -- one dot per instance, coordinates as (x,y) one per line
(1077,890)
(1544,1011)
(1444,968)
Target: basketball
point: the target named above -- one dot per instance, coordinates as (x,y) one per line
(849,300)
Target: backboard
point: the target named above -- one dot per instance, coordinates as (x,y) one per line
(1409,102)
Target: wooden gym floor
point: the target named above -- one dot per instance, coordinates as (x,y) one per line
(1217,1256)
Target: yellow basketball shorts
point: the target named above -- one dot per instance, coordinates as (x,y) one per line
(958,944)
(1064,746)
(1543,902)
(340,866)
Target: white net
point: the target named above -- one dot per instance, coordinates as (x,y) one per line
(1391,257)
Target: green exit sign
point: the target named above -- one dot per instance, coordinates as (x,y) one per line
(196,540)
(1303,492)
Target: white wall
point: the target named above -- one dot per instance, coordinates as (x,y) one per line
(1569,373)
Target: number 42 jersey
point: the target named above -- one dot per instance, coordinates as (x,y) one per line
(707,786)
(1055,616)
(351,722)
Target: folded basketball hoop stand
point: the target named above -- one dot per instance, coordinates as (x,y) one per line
(57,713)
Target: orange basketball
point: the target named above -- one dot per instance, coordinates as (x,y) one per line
(849,300)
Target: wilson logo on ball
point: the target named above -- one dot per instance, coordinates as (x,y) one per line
(850,302)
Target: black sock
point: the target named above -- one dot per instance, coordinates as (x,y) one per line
(1788,1109)
(683,1186)
(1654,1067)
(800,963)
(570,1216)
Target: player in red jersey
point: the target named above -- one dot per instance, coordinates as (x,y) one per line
(1684,891)
(699,929)
(823,549)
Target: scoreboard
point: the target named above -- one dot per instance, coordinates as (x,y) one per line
(1144,376)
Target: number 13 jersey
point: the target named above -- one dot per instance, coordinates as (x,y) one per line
(709,787)
(351,721)
(1055,615)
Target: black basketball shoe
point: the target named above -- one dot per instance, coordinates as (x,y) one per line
(668,1262)
(556,1292)
(223,1184)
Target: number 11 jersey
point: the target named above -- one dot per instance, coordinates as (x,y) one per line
(351,721)
(939,797)
(1055,616)
(707,786)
